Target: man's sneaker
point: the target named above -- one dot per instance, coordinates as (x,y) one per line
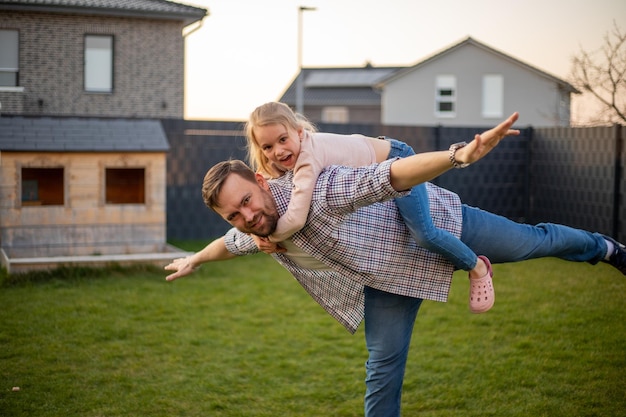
(618,257)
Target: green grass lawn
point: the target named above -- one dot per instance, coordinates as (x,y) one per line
(241,338)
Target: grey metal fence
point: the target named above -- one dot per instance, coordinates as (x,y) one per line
(577,178)
(572,176)
(195,146)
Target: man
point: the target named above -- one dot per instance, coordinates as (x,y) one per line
(356,257)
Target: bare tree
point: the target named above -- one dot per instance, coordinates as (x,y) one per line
(601,74)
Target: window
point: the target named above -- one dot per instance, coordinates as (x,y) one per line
(42,187)
(445,96)
(125,186)
(99,64)
(335,114)
(493,95)
(9,58)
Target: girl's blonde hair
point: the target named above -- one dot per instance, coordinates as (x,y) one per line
(269,114)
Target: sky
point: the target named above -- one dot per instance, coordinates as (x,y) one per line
(246,52)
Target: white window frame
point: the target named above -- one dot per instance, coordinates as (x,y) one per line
(99,63)
(493,96)
(9,58)
(445,93)
(335,114)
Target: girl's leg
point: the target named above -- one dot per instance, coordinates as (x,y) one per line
(503,240)
(389,320)
(415,211)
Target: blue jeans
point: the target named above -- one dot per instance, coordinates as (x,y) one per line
(415,211)
(503,240)
(389,318)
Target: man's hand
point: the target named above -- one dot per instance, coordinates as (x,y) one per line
(182,266)
(485,142)
(266,246)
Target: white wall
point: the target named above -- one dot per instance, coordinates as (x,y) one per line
(410,99)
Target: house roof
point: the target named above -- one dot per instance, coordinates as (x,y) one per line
(74,134)
(152,9)
(339,86)
(471,41)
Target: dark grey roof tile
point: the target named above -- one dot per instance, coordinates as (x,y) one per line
(138,8)
(348,86)
(77,134)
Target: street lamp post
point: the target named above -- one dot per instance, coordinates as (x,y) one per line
(299,80)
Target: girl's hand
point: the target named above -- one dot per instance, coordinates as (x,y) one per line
(266,246)
(485,142)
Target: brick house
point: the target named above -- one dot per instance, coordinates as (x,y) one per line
(83,85)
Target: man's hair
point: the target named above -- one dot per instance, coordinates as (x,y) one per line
(217,175)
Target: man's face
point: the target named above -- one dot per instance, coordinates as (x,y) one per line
(248,206)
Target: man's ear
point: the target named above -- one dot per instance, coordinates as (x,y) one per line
(260,179)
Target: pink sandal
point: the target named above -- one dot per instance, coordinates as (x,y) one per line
(482,295)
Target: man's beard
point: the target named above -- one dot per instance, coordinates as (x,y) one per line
(270,215)
(269,225)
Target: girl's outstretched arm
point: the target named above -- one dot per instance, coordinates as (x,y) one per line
(416,169)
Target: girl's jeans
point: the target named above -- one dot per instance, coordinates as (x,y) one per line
(389,318)
(415,211)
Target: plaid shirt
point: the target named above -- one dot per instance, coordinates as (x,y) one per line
(355,228)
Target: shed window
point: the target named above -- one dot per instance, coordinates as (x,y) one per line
(9,58)
(42,187)
(99,63)
(125,186)
(445,96)
(493,95)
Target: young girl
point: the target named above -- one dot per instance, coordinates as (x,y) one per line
(280,140)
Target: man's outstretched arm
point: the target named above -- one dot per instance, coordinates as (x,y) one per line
(416,169)
(214,251)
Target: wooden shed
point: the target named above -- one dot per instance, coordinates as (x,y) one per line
(82,191)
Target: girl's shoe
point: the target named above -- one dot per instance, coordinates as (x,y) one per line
(482,295)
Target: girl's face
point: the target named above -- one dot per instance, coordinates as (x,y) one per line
(279,144)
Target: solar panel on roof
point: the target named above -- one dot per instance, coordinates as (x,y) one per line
(350,78)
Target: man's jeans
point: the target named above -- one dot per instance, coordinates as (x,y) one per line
(389,318)
(502,240)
